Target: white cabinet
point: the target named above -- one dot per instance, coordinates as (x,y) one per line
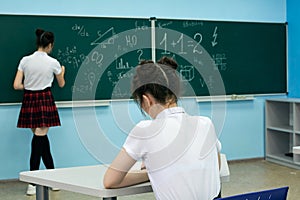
(282,130)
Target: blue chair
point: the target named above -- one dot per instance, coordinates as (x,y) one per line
(273,194)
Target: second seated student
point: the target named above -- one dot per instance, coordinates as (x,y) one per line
(180,152)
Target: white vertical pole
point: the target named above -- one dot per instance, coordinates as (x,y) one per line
(153,19)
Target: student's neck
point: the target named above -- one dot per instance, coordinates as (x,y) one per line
(159,109)
(41,50)
(170,105)
(45,50)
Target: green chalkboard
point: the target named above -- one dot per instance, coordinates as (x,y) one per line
(99,53)
(225,58)
(96,52)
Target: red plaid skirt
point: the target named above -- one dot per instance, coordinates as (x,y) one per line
(38,110)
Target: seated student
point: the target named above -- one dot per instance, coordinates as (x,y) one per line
(180,152)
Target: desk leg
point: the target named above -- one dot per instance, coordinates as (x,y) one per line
(42,192)
(109,198)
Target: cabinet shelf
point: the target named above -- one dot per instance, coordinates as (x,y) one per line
(281,157)
(282,130)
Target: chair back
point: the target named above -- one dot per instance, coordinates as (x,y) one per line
(272,194)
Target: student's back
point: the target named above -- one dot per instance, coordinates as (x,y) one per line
(180,153)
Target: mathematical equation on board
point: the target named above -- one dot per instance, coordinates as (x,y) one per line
(73,56)
(99,42)
(173,43)
(198,37)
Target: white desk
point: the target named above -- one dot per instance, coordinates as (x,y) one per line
(88,180)
(84,180)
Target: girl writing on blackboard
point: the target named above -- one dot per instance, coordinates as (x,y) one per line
(38,111)
(180,152)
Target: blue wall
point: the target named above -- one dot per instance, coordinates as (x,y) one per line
(293,17)
(241,132)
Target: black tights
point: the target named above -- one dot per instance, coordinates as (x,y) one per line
(40,148)
(219,196)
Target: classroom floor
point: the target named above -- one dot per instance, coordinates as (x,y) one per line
(245,176)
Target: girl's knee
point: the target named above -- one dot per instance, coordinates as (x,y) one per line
(41,131)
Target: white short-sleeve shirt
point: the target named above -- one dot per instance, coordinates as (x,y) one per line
(180,153)
(39,69)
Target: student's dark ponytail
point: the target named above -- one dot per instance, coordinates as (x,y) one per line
(44,38)
(168,61)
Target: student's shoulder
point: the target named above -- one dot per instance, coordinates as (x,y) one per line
(139,129)
(52,58)
(27,57)
(147,126)
(203,120)
(143,124)
(53,61)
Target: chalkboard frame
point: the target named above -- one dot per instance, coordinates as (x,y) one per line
(100,101)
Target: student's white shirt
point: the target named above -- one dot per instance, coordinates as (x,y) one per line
(180,154)
(39,69)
